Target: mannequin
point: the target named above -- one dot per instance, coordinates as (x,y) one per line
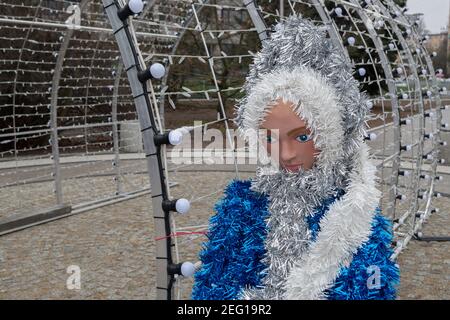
(308,227)
(294,137)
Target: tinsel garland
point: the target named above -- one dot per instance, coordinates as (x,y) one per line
(299,64)
(351,284)
(232,256)
(265,241)
(314,219)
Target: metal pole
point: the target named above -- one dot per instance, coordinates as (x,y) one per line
(54,109)
(394,102)
(281,8)
(69,26)
(418,92)
(132,65)
(257,19)
(115,130)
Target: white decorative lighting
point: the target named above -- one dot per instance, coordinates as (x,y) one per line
(351,41)
(131,8)
(175,137)
(362,72)
(372,136)
(155,71)
(187,269)
(182,206)
(406,121)
(338,11)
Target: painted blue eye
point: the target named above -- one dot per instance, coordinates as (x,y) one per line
(270,139)
(303,137)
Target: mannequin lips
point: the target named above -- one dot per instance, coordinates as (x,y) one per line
(293,167)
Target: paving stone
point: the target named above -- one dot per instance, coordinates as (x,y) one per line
(114,248)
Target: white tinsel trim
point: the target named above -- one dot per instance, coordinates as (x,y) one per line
(344,228)
(315,101)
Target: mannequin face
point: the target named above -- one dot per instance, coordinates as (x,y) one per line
(294,140)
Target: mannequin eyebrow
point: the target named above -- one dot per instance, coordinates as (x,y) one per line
(296,130)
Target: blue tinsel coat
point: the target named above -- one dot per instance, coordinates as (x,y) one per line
(231,258)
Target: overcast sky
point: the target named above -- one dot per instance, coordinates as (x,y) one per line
(435,12)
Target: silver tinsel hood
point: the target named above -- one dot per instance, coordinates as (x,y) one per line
(299,64)
(297,47)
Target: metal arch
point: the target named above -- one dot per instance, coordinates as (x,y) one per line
(219,96)
(427,211)
(332,30)
(115,129)
(262,28)
(118,78)
(418,91)
(419,161)
(166,76)
(54,106)
(173,51)
(133,63)
(426,56)
(428,63)
(97,43)
(257,19)
(394,103)
(15,81)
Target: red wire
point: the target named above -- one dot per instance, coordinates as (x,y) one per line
(177,234)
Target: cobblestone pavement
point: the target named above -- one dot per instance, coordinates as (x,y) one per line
(425,266)
(114,248)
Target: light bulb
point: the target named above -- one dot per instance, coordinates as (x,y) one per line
(187,269)
(338,11)
(136,6)
(182,206)
(175,137)
(157,70)
(362,72)
(131,8)
(351,41)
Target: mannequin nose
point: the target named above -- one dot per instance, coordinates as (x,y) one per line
(287,152)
